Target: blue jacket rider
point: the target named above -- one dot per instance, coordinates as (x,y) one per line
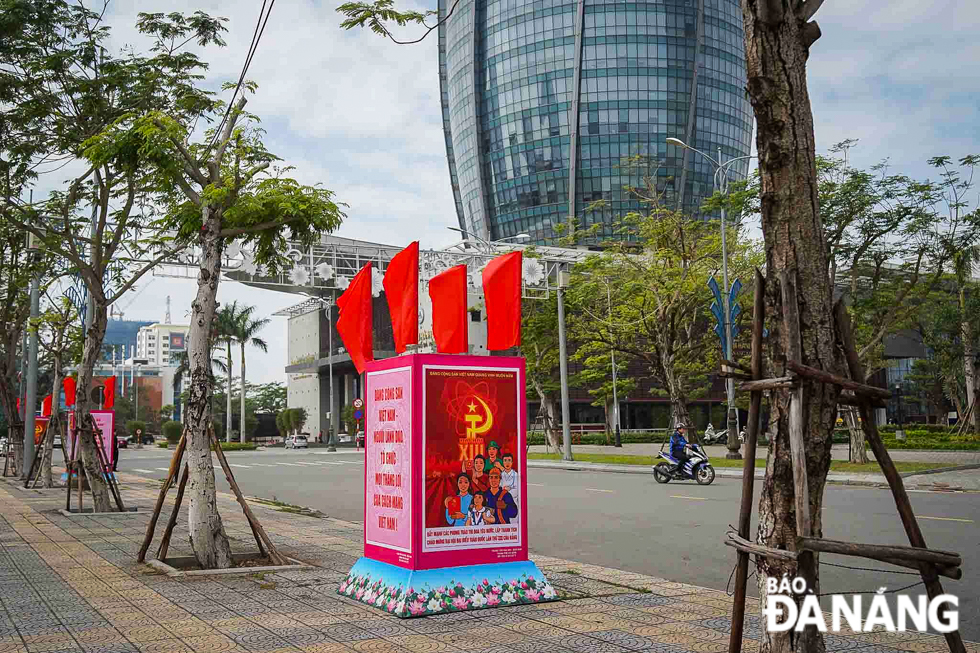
(678,447)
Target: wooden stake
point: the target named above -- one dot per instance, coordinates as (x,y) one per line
(801,488)
(746,547)
(165,542)
(882,551)
(776,383)
(826,377)
(107,473)
(174,466)
(930,578)
(748,466)
(260,535)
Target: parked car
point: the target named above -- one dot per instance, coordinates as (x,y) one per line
(147,439)
(297,442)
(122,441)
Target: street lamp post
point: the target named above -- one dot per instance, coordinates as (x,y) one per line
(489,244)
(720,183)
(331,437)
(612,357)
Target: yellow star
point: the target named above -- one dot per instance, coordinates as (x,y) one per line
(472,407)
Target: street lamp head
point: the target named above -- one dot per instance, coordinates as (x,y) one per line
(676,141)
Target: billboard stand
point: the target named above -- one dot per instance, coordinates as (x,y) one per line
(445,488)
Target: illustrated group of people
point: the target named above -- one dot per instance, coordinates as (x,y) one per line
(487,490)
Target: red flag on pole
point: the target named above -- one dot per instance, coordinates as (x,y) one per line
(448,293)
(46,406)
(356,322)
(109,394)
(18,405)
(69,385)
(502,291)
(401,284)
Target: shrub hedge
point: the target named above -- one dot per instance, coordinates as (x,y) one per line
(172,431)
(238,446)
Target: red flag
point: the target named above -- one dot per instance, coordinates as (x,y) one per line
(401,284)
(448,293)
(502,291)
(109,393)
(69,385)
(356,322)
(18,405)
(46,406)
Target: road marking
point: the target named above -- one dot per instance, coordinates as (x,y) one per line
(310,464)
(681,496)
(592,489)
(163,469)
(351,462)
(965,521)
(536,484)
(290,464)
(242,466)
(144,471)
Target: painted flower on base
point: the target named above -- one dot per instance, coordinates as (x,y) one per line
(434,605)
(533,272)
(299,276)
(508,597)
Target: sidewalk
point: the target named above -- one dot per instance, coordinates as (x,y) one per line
(72,584)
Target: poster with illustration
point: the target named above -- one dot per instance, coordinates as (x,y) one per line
(473,463)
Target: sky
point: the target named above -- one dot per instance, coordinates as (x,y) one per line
(361,115)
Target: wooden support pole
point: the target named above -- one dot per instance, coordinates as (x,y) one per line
(70,470)
(107,473)
(174,466)
(930,578)
(748,467)
(881,551)
(746,547)
(826,377)
(174,513)
(768,384)
(794,354)
(850,399)
(260,535)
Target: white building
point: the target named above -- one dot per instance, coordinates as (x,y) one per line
(157,342)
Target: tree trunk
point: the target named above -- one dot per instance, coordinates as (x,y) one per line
(859,454)
(969,365)
(207,534)
(550,416)
(94,334)
(228,412)
(610,418)
(241,419)
(53,423)
(777,46)
(15,433)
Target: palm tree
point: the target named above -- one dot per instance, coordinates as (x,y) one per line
(245,334)
(227,320)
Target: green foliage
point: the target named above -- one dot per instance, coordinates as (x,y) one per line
(238,446)
(916,438)
(375,15)
(167,412)
(133,425)
(163,444)
(269,397)
(347,418)
(172,431)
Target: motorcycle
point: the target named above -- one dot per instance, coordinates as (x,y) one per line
(697,467)
(711,436)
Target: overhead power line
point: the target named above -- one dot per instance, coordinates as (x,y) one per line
(256,37)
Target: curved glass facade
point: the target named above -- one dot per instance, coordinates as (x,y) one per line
(525,83)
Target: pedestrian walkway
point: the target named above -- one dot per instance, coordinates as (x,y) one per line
(72,584)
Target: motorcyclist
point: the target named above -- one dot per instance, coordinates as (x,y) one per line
(678,447)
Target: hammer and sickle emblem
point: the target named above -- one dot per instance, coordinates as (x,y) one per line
(474,427)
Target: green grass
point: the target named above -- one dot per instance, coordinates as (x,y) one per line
(835,466)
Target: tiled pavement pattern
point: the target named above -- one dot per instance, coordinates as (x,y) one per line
(73,584)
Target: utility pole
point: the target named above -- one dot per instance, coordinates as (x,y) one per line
(31,399)
(566,432)
(733,443)
(331,437)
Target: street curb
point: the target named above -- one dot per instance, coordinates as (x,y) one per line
(940,470)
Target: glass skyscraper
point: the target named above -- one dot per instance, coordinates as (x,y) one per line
(551,105)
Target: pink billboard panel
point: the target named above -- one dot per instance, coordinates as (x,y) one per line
(105,421)
(388,460)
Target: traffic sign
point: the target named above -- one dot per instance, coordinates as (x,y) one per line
(358,403)
(358,414)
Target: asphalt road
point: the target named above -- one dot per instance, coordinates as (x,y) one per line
(628,521)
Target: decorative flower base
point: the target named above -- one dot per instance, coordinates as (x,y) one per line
(407,593)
